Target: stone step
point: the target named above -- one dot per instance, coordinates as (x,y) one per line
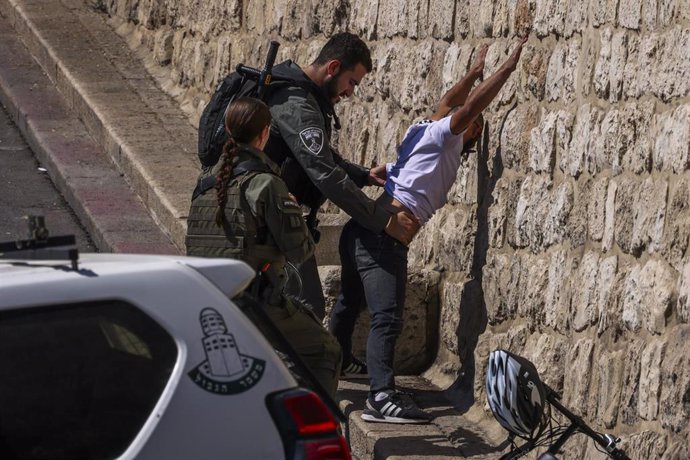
(451,434)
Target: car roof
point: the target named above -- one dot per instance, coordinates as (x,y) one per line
(228,275)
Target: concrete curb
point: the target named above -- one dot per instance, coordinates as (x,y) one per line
(80,169)
(139,127)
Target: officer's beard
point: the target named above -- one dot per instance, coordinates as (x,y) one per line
(330,87)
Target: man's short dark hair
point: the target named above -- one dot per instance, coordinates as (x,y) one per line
(348,48)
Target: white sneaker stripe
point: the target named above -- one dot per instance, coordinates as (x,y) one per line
(386,409)
(397,411)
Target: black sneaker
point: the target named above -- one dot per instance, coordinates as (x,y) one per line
(356,369)
(395,408)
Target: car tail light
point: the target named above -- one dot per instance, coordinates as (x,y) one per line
(308,429)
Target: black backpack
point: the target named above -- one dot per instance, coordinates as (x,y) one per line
(212,135)
(245,81)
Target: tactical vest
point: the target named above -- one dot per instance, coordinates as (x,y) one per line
(242,236)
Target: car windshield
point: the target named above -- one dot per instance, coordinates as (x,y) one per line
(79,381)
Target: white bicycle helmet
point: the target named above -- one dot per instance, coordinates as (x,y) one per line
(515,394)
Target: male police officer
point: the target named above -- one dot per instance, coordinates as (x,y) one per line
(313,170)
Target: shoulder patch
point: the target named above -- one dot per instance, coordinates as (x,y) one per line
(313,139)
(290,204)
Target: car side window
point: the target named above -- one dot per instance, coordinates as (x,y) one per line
(79,380)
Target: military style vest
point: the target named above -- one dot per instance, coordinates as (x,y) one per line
(242,235)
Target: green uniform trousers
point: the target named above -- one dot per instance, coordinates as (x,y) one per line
(313,343)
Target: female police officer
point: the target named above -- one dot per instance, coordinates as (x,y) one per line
(252,217)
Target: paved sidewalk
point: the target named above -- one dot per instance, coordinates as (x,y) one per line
(124,156)
(117,147)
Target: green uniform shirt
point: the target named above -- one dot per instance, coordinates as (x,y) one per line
(268,198)
(300,122)
(281,231)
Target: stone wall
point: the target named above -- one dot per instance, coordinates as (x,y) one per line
(565,238)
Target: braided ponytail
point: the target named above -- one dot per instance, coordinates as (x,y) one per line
(223,178)
(245,119)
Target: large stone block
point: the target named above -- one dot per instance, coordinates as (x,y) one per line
(465,190)
(441,13)
(163,46)
(684,294)
(677,227)
(518,135)
(650,380)
(576,19)
(562,71)
(610,67)
(628,144)
(530,211)
(631,383)
(535,66)
(649,216)
(610,371)
(364,17)
(457,235)
(672,69)
(648,295)
(627,195)
(630,13)
(549,17)
(548,354)
(534,280)
(523,17)
(582,151)
(672,142)
(596,207)
(646,444)
(560,206)
(677,449)
(355,137)
(585,304)
(464,12)
(607,294)
(674,408)
(557,297)
(610,216)
(503,18)
(502,211)
(542,143)
(456,63)
(576,389)
(462,318)
(603,12)
(392,17)
(500,283)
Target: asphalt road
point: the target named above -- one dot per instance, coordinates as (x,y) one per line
(26,189)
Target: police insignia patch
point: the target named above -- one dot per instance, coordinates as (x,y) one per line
(226,371)
(312,138)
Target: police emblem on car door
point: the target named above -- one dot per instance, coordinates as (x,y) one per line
(312,138)
(226,370)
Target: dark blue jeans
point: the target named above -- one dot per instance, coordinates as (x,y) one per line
(374,273)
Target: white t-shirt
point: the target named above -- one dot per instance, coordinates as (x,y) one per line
(427,165)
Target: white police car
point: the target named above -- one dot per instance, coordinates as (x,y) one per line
(134,356)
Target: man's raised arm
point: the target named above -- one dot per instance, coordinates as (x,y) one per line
(458,93)
(483,94)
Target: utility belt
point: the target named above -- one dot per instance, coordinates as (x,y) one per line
(268,285)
